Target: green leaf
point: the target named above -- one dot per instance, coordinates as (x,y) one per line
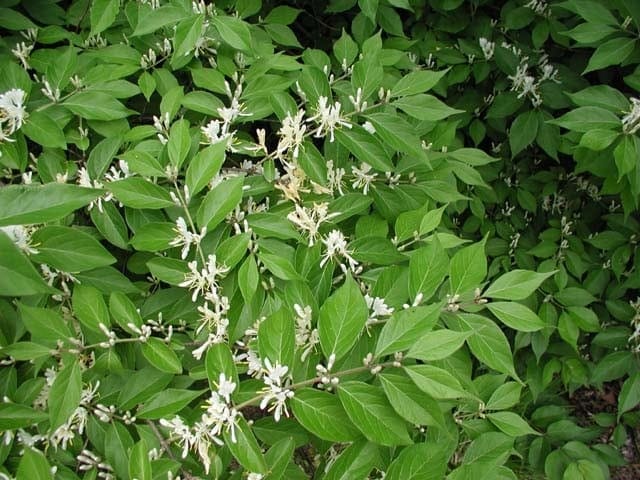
(487,342)
(219,359)
(376,250)
(18,277)
(322,414)
(516,284)
(245,448)
(468,268)
(43,129)
(611,52)
(345,49)
(33,466)
(280,267)
(25,204)
(365,147)
(410,402)
(161,356)
(143,163)
(92,105)
(142,385)
(179,142)
(156,19)
(283,15)
(397,133)
(167,403)
(204,166)
(70,249)
(422,461)
(276,338)
(511,423)
(90,308)
(103,14)
(437,345)
(233,31)
(342,318)
(12,20)
(219,202)
(516,316)
(282,35)
(523,131)
(356,461)
(505,396)
(117,443)
(371,413)
(136,192)
(65,393)
(187,33)
(583,119)
(44,323)
(405,327)
(629,394)
(279,456)
(583,469)
(168,270)
(425,107)
(248,278)
(492,448)
(139,463)
(153,236)
(428,267)
(436,382)
(626,155)
(14,415)
(369,8)
(419,81)
(124,311)
(22,351)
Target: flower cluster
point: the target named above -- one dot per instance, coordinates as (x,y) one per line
(12,112)
(307,337)
(219,416)
(309,219)
(275,391)
(185,238)
(336,247)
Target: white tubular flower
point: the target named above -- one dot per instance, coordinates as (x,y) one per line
(291,134)
(275,391)
(186,238)
(255,476)
(631,121)
(220,416)
(328,118)
(254,364)
(216,132)
(225,387)
(309,219)
(336,245)
(362,177)
(306,336)
(181,432)
(334,178)
(487,47)
(21,236)
(12,112)
(205,280)
(377,308)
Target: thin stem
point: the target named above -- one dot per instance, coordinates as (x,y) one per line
(317,379)
(187,214)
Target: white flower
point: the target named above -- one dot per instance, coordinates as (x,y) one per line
(275,391)
(291,134)
(334,178)
(216,132)
(306,336)
(336,246)
(631,121)
(310,219)
(368,126)
(255,476)
(362,177)
(377,308)
(328,118)
(12,111)
(487,47)
(186,238)
(21,236)
(181,431)
(204,280)
(225,387)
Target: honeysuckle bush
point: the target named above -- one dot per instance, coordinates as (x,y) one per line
(228,255)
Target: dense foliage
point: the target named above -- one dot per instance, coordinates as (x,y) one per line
(344,239)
